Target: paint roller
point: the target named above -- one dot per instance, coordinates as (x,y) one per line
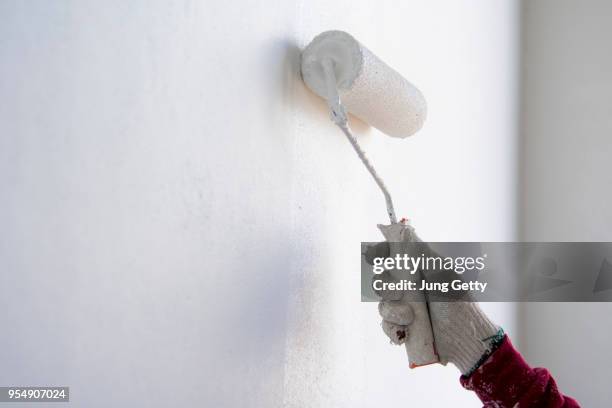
(351,78)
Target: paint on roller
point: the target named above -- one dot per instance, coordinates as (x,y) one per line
(368,88)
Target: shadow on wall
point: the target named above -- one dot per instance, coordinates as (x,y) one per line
(248,332)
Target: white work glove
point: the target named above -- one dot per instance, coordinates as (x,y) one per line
(463,334)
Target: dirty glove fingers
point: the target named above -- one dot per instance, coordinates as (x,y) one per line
(396,312)
(396,333)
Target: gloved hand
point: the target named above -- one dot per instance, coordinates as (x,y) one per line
(463,334)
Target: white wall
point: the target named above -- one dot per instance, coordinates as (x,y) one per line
(180,220)
(566,155)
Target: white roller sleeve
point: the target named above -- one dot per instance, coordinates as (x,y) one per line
(368,88)
(420,340)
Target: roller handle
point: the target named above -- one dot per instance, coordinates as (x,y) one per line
(420,345)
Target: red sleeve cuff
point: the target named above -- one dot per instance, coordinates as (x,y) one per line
(506,380)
